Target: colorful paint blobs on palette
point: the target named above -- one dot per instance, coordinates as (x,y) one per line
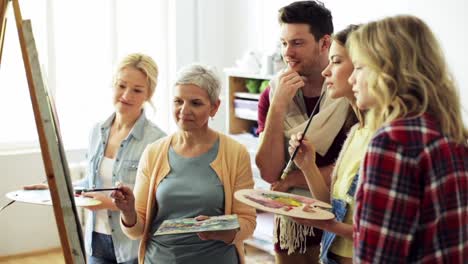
(285,204)
(279,201)
(191,225)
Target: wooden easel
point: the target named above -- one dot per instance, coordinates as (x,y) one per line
(53,154)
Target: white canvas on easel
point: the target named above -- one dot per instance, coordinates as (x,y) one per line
(53,154)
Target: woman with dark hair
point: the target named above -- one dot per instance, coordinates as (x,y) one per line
(337,238)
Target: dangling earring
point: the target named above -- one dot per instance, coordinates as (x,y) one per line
(212,118)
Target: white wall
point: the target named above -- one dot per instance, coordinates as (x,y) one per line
(229,28)
(446,18)
(26,227)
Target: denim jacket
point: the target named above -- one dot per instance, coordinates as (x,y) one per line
(339,209)
(124,170)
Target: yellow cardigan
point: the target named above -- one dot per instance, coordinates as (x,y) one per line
(232,165)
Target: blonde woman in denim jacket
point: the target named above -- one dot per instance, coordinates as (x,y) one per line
(114,151)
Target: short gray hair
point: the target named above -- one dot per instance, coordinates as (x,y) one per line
(201,76)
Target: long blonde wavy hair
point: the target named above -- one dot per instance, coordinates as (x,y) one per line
(408,74)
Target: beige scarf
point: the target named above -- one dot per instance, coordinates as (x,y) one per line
(323,129)
(324,126)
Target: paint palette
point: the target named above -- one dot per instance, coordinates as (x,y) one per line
(42,197)
(285,204)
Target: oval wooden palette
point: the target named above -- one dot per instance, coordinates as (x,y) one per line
(42,197)
(285,204)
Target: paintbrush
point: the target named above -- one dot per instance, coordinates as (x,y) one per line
(80,191)
(290,163)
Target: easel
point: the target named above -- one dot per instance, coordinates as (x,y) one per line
(53,154)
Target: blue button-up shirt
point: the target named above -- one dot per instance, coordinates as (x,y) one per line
(124,170)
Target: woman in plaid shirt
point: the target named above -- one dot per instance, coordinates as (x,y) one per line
(412,203)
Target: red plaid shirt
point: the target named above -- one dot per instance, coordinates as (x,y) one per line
(412,203)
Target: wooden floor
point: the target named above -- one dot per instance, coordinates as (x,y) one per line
(54,256)
(257,256)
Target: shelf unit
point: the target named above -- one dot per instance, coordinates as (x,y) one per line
(235,81)
(239,127)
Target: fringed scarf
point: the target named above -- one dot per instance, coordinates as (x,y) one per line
(292,236)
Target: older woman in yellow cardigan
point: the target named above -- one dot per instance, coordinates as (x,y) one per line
(191,173)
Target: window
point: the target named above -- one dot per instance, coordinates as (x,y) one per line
(19,128)
(79,46)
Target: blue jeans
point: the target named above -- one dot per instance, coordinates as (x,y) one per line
(103,251)
(339,209)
